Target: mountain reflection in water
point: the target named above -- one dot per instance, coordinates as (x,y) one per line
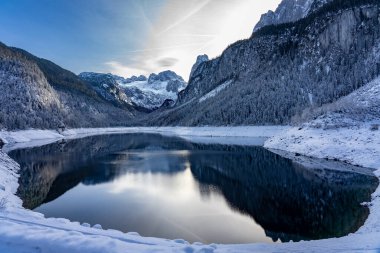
(286,199)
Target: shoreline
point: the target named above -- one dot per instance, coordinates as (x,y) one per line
(23,221)
(222,135)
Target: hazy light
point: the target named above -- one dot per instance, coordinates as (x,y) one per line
(186,29)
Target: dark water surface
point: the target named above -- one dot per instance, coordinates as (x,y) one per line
(171,188)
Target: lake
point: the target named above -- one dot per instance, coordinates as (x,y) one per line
(172,188)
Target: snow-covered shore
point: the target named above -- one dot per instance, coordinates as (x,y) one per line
(358,145)
(22,230)
(224,135)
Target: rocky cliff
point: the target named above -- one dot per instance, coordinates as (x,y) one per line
(290,11)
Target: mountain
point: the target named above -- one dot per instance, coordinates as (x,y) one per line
(36,93)
(56,76)
(144,93)
(284,69)
(200,59)
(292,67)
(289,11)
(107,87)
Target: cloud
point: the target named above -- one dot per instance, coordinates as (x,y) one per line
(167,62)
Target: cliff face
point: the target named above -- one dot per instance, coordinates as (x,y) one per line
(200,59)
(281,70)
(290,11)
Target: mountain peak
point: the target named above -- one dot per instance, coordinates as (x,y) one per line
(167,75)
(289,11)
(140,78)
(200,59)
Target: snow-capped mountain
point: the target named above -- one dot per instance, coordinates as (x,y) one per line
(146,93)
(289,11)
(106,85)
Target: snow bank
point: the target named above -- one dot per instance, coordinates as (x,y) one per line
(28,135)
(372,224)
(8,183)
(354,145)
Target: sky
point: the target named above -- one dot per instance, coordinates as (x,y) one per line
(128,37)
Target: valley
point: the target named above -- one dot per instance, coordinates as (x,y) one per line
(271,146)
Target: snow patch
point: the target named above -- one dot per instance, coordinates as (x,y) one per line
(215,91)
(311,101)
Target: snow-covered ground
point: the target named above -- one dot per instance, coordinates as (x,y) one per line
(26,231)
(357,145)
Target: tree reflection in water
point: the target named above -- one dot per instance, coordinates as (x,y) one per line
(287,199)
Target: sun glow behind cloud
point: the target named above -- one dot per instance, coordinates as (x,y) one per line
(186,29)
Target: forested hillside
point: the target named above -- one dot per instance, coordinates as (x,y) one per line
(36,93)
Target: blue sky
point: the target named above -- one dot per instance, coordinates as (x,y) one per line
(127,37)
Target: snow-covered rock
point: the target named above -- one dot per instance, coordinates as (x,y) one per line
(154,91)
